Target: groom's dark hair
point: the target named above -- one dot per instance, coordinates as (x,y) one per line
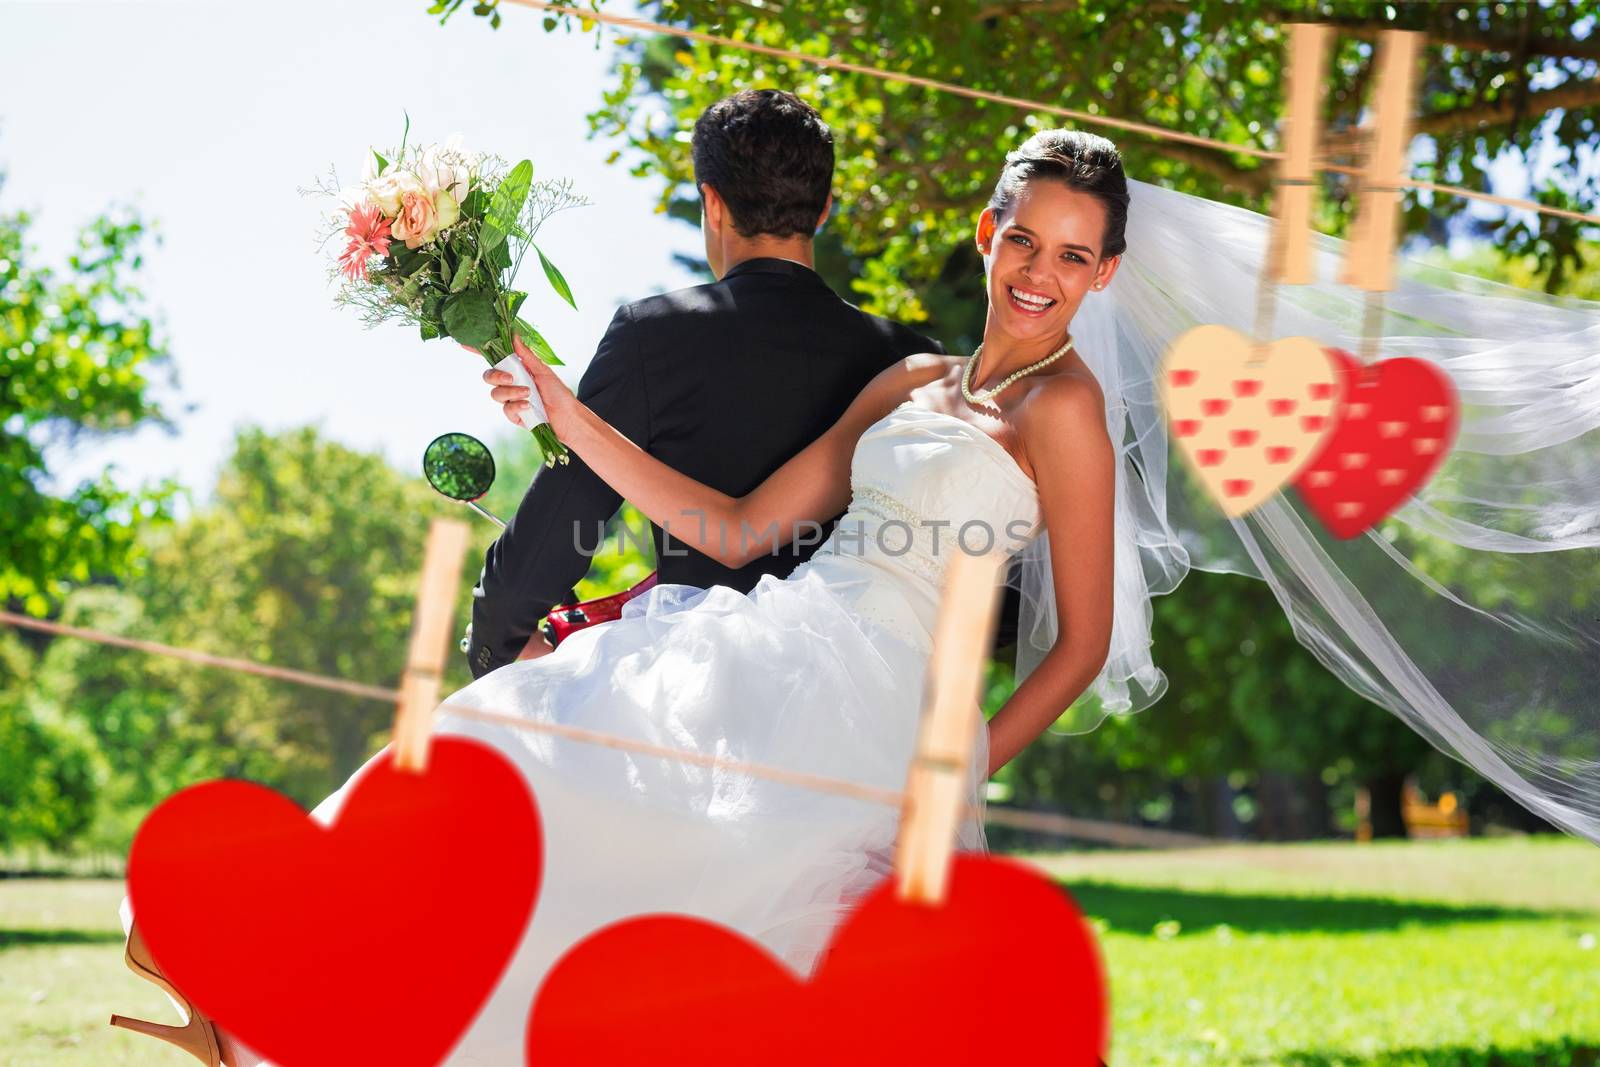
(769,155)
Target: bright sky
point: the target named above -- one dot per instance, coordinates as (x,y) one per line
(209,121)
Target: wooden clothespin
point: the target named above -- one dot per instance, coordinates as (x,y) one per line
(430,642)
(1294,198)
(1375,233)
(1294,195)
(936,785)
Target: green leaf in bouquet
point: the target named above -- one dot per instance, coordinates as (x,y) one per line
(557,282)
(512,301)
(430,329)
(533,340)
(433,306)
(406,260)
(463,275)
(473,205)
(506,205)
(498,258)
(383,164)
(470,317)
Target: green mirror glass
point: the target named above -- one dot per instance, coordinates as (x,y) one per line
(461,467)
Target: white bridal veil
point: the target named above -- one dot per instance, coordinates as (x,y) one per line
(1473,611)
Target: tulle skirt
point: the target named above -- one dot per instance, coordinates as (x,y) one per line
(822,672)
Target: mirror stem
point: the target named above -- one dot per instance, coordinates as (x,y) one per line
(473,504)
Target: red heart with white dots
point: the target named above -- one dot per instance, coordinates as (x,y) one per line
(1396,422)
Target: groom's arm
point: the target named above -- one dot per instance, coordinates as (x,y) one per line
(537,559)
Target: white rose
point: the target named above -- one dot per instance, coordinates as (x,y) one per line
(388,189)
(443,172)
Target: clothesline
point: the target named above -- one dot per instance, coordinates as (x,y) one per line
(1086,117)
(1036,822)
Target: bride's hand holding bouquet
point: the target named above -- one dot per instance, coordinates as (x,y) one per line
(538,385)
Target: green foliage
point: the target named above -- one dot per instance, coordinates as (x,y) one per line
(505,205)
(50,768)
(76,354)
(557,281)
(306,558)
(470,318)
(1253,735)
(915,165)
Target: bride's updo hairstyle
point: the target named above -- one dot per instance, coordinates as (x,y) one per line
(1079,160)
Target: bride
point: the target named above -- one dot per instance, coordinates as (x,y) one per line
(821,672)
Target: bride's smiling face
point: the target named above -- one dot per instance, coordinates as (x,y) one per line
(1044,255)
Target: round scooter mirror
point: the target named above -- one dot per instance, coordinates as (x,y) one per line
(460,467)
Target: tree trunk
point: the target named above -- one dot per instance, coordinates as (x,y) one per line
(1224,821)
(1183,817)
(1386,790)
(1319,815)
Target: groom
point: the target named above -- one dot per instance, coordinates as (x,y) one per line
(723,382)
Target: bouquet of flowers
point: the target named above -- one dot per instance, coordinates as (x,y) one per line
(436,238)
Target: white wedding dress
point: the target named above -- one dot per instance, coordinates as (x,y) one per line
(821,672)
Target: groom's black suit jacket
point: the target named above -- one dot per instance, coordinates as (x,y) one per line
(723,382)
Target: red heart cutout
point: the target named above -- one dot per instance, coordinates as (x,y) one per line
(1395,424)
(896,986)
(374,940)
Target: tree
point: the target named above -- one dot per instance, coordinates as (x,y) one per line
(50,769)
(76,354)
(306,557)
(915,165)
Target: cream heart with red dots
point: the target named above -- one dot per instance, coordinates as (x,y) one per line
(1248,418)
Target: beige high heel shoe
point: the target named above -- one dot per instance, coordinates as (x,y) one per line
(197,1036)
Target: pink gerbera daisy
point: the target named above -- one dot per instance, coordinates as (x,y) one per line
(369,236)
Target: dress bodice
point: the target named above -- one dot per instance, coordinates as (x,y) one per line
(925,485)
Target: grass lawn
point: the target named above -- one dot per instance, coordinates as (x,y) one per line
(1403,954)
(1420,954)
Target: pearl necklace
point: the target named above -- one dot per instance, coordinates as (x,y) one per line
(986,398)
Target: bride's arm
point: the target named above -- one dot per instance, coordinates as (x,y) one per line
(812,485)
(1064,432)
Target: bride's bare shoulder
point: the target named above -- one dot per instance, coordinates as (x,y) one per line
(927,366)
(910,372)
(1062,411)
